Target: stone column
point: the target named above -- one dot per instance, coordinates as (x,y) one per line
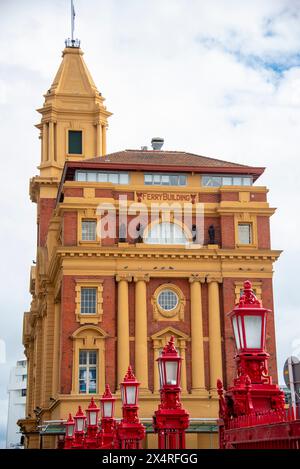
(99,140)
(215,345)
(51,142)
(198,365)
(123,355)
(45,142)
(103,140)
(141,338)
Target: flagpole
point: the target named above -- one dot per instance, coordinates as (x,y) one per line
(72,21)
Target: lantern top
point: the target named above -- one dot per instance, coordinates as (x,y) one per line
(129,377)
(107,393)
(70,420)
(248,297)
(169,349)
(92,405)
(79,412)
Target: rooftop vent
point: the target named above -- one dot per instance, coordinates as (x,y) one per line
(144,148)
(157,143)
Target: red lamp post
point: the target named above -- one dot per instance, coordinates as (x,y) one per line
(130,431)
(92,425)
(170,420)
(80,419)
(252,391)
(70,427)
(108,423)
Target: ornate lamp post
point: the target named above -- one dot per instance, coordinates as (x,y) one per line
(92,425)
(70,427)
(252,391)
(108,423)
(170,420)
(79,428)
(130,431)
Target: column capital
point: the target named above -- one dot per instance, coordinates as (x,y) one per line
(214,278)
(196,278)
(126,277)
(141,277)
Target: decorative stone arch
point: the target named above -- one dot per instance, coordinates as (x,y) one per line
(89,337)
(159,340)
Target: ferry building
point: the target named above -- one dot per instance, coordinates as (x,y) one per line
(100,303)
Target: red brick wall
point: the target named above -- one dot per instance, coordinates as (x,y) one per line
(69,325)
(258,197)
(70,229)
(46,209)
(230,196)
(263,232)
(73,192)
(156,326)
(209,197)
(227,232)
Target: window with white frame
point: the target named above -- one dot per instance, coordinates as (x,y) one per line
(88,300)
(88,230)
(226,180)
(115,177)
(165,233)
(245,233)
(88,371)
(165,179)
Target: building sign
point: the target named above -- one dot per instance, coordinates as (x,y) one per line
(166,197)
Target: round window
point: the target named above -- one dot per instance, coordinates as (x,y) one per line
(167,300)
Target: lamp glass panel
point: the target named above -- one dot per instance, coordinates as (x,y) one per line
(253,331)
(130,394)
(93,417)
(70,430)
(107,409)
(80,424)
(236,332)
(241,331)
(122,394)
(171,372)
(160,369)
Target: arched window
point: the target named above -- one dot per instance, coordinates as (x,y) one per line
(165,233)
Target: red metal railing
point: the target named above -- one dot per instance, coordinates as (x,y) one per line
(273,429)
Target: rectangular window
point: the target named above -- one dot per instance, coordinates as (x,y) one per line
(88,371)
(102,176)
(245,233)
(226,180)
(23,392)
(88,300)
(88,230)
(75,142)
(165,179)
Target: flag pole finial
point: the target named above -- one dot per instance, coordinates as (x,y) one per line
(72,42)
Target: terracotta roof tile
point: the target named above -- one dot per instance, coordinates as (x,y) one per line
(169,158)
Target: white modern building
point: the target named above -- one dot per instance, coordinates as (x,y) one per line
(16,403)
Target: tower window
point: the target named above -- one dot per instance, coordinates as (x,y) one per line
(75,142)
(245,233)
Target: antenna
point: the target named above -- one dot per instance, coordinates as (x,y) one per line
(72,42)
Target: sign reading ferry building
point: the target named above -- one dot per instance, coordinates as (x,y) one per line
(102,303)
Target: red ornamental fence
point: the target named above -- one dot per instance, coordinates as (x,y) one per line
(264,430)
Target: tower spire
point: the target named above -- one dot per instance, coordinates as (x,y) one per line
(72,42)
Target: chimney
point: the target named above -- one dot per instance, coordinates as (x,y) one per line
(157,143)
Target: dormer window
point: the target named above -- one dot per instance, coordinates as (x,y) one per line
(75,142)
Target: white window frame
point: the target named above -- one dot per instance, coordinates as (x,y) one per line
(88,234)
(84,302)
(249,234)
(88,367)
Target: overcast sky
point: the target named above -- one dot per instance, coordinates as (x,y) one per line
(219,78)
